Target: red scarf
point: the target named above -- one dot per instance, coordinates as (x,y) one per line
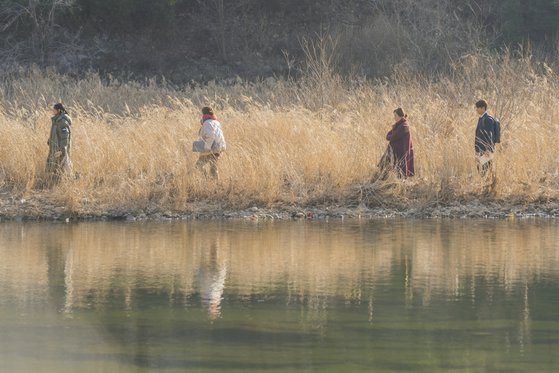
(206,117)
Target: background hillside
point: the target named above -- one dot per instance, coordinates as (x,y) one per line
(200,40)
(304,89)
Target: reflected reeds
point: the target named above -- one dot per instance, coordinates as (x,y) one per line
(97,264)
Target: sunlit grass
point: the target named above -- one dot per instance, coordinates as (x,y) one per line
(288,143)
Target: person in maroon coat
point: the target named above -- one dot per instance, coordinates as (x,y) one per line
(399,154)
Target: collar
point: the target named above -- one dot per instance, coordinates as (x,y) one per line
(484,114)
(206,117)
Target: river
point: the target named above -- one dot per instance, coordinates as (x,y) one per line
(375,296)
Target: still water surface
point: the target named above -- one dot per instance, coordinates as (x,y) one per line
(385,296)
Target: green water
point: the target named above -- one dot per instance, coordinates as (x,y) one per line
(385,296)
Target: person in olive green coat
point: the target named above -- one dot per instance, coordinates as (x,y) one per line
(59,142)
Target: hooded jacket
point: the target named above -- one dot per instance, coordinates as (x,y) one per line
(60,133)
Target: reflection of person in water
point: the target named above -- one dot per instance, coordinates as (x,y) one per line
(212,274)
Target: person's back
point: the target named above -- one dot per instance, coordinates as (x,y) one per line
(213,142)
(213,137)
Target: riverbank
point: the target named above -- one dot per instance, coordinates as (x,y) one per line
(293,148)
(40,208)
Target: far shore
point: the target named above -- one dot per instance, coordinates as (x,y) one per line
(37,209)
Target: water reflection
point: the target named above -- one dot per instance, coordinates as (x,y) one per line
(212,272)
(300,279)
(93,262)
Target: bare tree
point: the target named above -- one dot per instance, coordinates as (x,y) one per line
(223,14)
(40,14)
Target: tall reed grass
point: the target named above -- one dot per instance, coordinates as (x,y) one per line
(289,142)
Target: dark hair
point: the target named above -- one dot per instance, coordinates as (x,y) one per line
(481,104)
(400,112)
(60,107)
(206,110)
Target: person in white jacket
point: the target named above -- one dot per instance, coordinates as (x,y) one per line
(214,142)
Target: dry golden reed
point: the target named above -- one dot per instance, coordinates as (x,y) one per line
(305,142)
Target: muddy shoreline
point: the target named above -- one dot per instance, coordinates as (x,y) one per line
(21,209)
